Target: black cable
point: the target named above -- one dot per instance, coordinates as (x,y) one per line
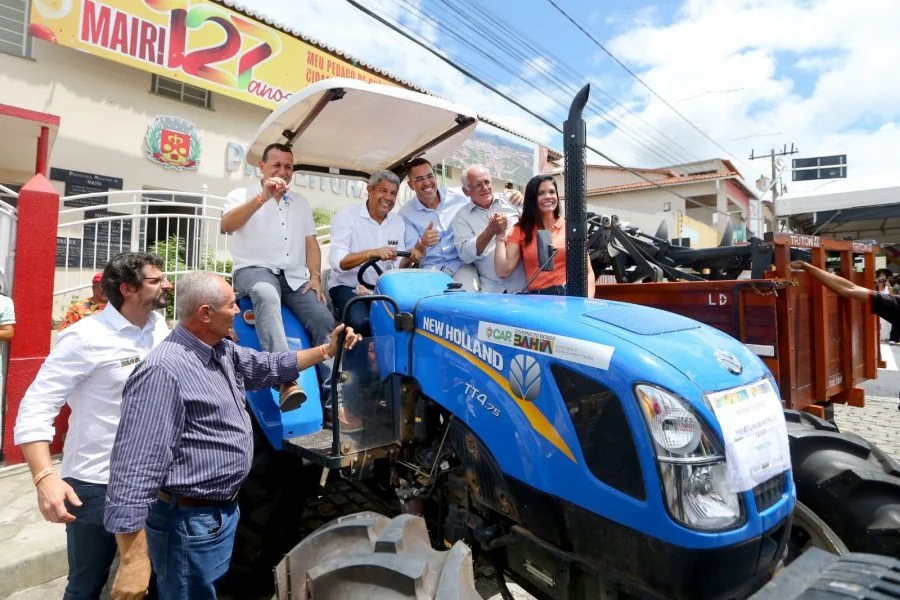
(612,105)
(506,97)
(608,113)
(641,81)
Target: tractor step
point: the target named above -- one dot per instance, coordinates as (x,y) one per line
(317,448)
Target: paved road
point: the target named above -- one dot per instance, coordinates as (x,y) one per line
(879,420)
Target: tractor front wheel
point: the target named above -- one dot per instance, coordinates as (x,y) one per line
(367,555)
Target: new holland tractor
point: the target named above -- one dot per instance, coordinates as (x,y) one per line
(583,448)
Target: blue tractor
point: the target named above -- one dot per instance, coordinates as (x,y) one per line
(584,448)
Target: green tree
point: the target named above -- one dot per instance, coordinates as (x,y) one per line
(322,216)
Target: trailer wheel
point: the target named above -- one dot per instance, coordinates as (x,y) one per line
(368,555)
(849,483)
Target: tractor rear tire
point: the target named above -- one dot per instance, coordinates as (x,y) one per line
(369,556)
(272,502)
(849,483)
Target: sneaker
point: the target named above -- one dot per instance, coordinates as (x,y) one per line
(291,396)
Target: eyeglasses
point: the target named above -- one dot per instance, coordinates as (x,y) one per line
(423,178)
(156,280)
(481,183)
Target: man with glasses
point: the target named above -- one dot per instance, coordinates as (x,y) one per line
(428,217)
(87,370)
(476,224)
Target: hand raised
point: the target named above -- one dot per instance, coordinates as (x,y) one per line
(274,187)
(430,237)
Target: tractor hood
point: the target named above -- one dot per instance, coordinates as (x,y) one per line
(711,359)
(348,128)
(597,333)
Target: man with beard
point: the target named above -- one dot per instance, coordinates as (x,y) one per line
(277,259)
(360,233)
(87,370)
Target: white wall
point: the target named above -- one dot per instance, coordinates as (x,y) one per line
(104,111)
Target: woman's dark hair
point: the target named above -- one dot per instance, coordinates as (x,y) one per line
(127,267)
(531,221)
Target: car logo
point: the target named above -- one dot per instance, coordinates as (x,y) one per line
(729,362)
(525,377)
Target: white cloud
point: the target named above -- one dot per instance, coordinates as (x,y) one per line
(813,71)
(817,73)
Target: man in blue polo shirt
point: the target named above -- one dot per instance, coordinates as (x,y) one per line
(427,218)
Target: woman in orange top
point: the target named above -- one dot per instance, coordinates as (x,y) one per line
(540,210)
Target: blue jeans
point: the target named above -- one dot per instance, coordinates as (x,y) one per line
(90,547)
(190,548)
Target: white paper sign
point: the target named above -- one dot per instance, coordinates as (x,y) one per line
(756,440)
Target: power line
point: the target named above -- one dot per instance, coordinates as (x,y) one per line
(538,50)
(677,152)
(515,71)
(641,81)
(506,97)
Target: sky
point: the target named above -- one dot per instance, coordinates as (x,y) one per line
(708,78)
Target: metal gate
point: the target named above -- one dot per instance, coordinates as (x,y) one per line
(182,228)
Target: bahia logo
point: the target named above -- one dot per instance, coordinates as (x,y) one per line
(525,377)
(249,317)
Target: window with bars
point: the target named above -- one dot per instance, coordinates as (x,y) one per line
(177,90)
(14,38)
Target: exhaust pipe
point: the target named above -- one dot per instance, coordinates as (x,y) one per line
(575,134)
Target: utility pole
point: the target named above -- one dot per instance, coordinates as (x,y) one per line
(774,184)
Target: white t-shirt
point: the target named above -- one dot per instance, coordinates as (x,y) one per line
(354,230)
(274,237)
(87,370)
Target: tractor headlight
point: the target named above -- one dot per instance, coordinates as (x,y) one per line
(691,460)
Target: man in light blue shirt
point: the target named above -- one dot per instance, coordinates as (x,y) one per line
(428,217)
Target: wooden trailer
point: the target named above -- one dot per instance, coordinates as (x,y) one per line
(819,346)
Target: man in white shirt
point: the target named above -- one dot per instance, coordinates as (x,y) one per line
(87,370)
(277,259)
(475,226)
(360,233)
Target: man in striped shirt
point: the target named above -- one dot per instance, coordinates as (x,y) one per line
(185,444)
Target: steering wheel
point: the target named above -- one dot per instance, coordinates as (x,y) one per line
(373,263)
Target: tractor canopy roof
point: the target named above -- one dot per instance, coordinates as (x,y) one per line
(349,128)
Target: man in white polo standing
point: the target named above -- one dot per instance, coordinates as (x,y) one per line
(87,370)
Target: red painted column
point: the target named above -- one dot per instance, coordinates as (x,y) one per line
(43,154)
(38,208)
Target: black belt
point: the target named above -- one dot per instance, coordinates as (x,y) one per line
(188,502)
